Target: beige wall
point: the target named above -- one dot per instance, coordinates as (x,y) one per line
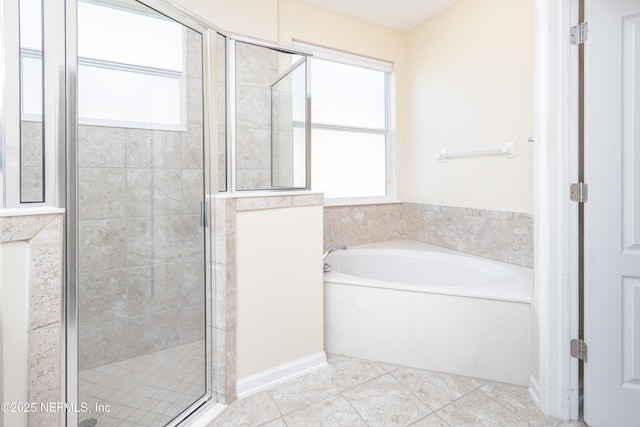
(464,81)
(14,369)
(279,302)
(255,18)
(471,88)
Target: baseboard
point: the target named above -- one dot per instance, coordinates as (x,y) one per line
(534,390)
(263,380)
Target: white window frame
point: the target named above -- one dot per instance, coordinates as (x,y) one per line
(377,65)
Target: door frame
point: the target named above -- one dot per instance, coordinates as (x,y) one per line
(555,378)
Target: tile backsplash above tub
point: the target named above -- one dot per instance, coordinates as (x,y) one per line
(499,235)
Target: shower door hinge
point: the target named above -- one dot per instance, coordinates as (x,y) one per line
(579,192)
(578,34)
(579,350)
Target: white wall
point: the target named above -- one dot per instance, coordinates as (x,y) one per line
(464,81)
(279,287)
(471,87)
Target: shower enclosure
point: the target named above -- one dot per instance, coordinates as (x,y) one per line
(142,237)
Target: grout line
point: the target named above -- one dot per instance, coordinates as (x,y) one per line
(354,409)
(505,406)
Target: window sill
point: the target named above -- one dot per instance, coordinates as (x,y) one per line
(356,201)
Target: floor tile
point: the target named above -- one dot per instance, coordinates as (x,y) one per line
(435,389)
(518,401)
(476,409)
(275,423)
(335,411)
(391,400)
(252,410)
(305,391)
(432,420)
(349,372)
(385,402)
(145,384)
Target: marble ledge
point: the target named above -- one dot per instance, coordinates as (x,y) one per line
(30,211)
(25,225)
(276,200)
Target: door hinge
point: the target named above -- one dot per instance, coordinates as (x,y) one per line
(579,350)
(579,192)
(578,34)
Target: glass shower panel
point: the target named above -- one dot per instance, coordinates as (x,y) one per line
(270,101)
(288,138)
(31,102)
(141,244)
(221,108)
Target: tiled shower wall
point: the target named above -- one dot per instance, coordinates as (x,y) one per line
(140,249)
(255,69)
(141,244)
(503,236)
(31,161)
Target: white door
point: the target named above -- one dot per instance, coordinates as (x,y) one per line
(612,214)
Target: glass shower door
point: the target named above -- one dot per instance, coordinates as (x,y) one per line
(141,235)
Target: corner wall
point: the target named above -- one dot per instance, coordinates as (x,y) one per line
(279,285)
(39,332)
(471,80)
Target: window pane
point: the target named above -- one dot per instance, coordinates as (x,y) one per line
(32,87)
(348,96)
(117,95)
(129,37)
(30,24)
(348,164)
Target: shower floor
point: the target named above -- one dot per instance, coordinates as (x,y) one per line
(147,390)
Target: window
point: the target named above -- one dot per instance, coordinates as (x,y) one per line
(131,67)
(349,121)
(31,59)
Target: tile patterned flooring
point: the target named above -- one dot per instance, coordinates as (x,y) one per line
(148,390)
(354,392)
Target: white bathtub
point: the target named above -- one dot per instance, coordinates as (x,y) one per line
(418,305)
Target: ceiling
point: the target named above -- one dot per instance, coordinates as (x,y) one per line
(401,15)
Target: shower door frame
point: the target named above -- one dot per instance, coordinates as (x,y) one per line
(69,157)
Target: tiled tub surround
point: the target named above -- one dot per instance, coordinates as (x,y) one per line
(43,234)
(226,208)
(499,235)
